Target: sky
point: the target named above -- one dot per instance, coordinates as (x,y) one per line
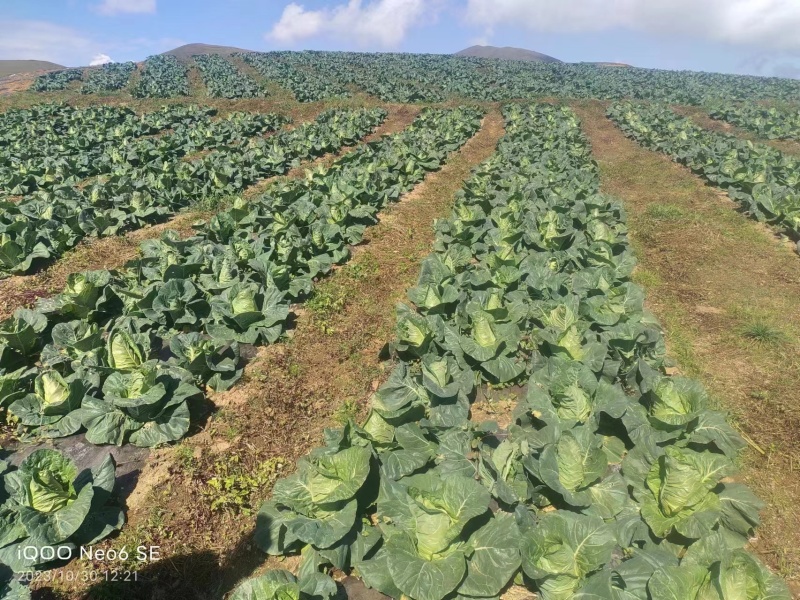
(758,37)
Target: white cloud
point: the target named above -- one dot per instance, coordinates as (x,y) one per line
(381,23)
(100,59)
(761,23)
(40,40)
(116,7)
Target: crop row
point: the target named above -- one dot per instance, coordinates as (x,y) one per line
(163,76)
(223,80)
(133,189)
(233,282)
(609,482)
(763,180)
(99,369)
(769,122)
(56,80)
(144,189)
(77,143)
(108,78)
(307,85)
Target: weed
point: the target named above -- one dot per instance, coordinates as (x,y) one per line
(347,411)
(233,486)
(295,370)
(324,305)
(211,203)
(184,456)
(358,270)
(763,333)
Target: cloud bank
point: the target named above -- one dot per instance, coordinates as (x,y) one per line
(381,23)
(40,40)
(767,24)
(136,7)
(100,59)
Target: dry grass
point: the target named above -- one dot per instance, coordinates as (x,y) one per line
(726,291)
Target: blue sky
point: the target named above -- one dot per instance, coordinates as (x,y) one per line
(735,36)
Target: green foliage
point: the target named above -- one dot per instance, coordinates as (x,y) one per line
(56,80)
(306,85)
(406,78)
(108,78)
(223,80)
(150,182)
(612,478)
(771,123)
(163,76)
(763,180)
(47,503)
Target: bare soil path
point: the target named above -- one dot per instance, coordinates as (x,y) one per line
(726,291)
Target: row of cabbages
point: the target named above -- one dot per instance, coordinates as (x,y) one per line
(774,123)
(56,80)
(147,187)
(307,85)
(89,357)
(108,78)
(55,144)
(763,180)
(224,80)
(101,368)
(612,480)
(162,76)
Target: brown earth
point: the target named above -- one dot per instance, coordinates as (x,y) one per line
(726,291)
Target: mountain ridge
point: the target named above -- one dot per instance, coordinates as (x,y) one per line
(15,67)
(507,53)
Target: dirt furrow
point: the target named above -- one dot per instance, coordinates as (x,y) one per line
(726,291)
(321,376)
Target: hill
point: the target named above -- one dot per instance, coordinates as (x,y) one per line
(12,67)
(184,53)
(507,53)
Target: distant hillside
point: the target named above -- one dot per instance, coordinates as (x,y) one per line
(184,53)
(12,67)
(507,53)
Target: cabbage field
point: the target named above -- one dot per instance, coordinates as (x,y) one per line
(607,472)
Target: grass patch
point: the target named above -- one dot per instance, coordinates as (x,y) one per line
(680,338)
(664,212)
(646,278)
(763,333)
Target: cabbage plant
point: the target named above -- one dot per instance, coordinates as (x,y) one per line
(48,502)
